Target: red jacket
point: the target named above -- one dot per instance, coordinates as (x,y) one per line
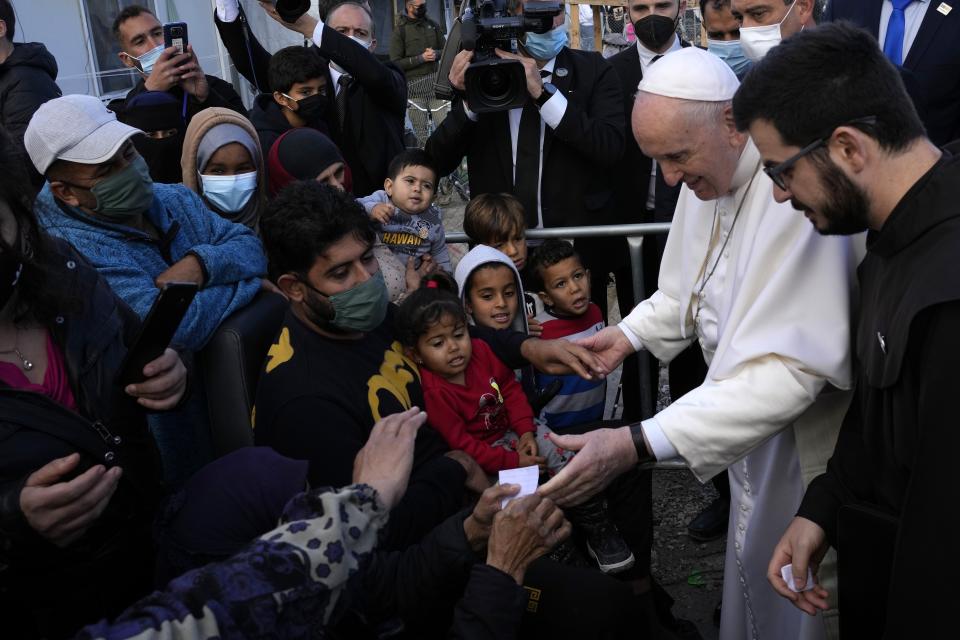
(474,416)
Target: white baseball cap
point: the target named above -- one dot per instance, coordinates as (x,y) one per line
(76,128)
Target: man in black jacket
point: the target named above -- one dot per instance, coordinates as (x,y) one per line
(843,142)
(28,74)
(141,40)
(575,101)
(369,97)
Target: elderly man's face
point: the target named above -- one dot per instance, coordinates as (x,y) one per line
(73,182)
(791,16)
(351,20)
(701,153)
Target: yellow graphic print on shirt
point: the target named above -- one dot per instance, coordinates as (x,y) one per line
(280,352)
(396,374)
(402,238)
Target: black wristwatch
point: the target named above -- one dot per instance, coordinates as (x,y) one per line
(644,455)
(548,91)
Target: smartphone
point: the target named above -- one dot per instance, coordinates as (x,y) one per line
(157,330)
(175,35)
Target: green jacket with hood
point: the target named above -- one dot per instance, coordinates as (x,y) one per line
(411,37)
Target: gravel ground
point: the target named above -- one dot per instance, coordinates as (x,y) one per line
(690,571)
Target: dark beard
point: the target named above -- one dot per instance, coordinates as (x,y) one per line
(845,211)
(321,313)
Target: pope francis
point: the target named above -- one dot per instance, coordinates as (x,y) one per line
(768,299)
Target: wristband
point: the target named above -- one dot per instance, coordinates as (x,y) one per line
(644,455)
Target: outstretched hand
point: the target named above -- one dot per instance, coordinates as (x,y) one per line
(560,357)
(603,455)
(609,346)
(386,460)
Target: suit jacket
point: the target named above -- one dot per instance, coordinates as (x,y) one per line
(376,107)
(631,183)
(931,69)
(575,184)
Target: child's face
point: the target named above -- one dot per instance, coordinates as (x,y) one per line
(514,247)
(445,348)
(492,300)
(567,286)
(412,190)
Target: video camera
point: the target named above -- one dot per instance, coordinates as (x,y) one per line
(291,10)
(494,84)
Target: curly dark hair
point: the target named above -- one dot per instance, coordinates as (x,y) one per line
(436,297)
(548,254)
(40,293)
(306,218)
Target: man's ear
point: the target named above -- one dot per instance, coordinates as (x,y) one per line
(848,147)
(127,61)
(805,10)
(292,287)
(3,29)
(729,124)
(373,45)
(63,192)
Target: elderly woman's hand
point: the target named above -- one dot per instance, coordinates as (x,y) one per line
(525,530)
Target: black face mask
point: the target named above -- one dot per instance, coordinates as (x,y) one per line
(420,12)
(312,109)
(162,156)
(655,31)
(10,269)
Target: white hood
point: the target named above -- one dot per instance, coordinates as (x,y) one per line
(481,255)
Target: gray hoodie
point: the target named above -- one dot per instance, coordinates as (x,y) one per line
(410,234)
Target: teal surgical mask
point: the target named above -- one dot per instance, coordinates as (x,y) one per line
(546,46)
(125,194)
(361,308)
(731,52)
(148,60)
(229,194)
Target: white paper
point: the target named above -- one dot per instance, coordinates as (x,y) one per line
(526,477)
(787,573)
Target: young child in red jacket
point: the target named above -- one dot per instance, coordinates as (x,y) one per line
(477,405)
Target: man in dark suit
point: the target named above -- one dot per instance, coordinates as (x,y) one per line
(574,114)
(928,35)
(367,112)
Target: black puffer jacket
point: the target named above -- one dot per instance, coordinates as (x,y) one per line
(27,80)
(50,590)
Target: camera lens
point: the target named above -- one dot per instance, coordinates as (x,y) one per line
(494,85)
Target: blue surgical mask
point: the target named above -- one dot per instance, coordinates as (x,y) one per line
(546,46)
(730,52)
(149,59)
(230,194)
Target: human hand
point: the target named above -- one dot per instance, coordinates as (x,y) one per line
(530,69)
(165,384)
(477,480)
(193,79)
(429,55)
(187,269)
(534,328)
(532,461)
(386,459)
(169,70)
(522,532)
(478,524)
(381,212)
(610,346)
(803,544)
(528,444)
(61,512)
(458,70)
(305,24)
(603,455)
(560,357)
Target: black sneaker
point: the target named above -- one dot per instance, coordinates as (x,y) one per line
(608,548)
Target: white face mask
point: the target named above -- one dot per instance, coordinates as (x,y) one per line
(757,41)
(362,43)
(229,193)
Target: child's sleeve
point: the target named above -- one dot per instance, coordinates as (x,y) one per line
(372,200)
(443,416)
(438,248)
(514,399)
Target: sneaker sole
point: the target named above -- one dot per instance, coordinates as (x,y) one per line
(612,568)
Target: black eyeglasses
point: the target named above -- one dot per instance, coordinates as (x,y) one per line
(776,171)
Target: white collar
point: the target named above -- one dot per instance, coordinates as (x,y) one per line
(548,68)
(747,167)
(647,56)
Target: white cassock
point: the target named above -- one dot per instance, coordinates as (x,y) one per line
(768,299)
